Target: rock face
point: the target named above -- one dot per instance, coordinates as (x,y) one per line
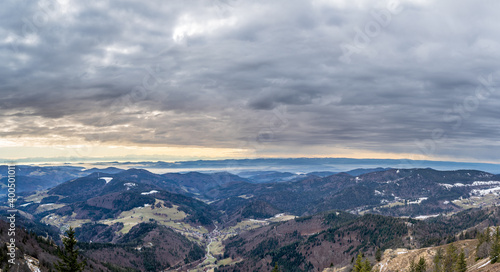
(33,263)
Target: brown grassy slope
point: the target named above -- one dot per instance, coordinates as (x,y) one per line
(399,259)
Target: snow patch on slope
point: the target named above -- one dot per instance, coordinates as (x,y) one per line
(129,185)
(475,183)
(150,192)
(483,192)
(107,179)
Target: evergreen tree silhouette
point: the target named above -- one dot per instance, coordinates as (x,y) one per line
(69,256)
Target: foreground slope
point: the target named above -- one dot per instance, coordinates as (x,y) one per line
(146,247)
(334,238)
(35,253)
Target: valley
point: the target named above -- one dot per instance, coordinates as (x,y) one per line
(227,222)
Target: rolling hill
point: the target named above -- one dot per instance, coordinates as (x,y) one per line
(316,242)
(236,223)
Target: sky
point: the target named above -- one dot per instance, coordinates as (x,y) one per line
(209,79)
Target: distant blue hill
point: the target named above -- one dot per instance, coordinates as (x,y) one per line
(361,171)
(305,165)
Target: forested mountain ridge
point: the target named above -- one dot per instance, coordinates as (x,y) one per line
(248,224)
(317,242)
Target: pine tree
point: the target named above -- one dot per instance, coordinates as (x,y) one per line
(450,259)
(413,266)
(358,266)
(461,263)
(367,267)
(276,268)
(69,255)
(421,265)
(378,255)
(495,248)
(438,260)
(483,248)
(487,235)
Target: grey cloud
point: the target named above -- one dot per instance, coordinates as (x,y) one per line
(269,99)
(235,63)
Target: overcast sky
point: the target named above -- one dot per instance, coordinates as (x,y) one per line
(232,78)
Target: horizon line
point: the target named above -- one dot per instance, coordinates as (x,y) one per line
(128,159)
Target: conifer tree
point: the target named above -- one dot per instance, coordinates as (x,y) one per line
(450,259)
(461,263)
(69,256)
(413,266)
(495,248)
(421,265)
(487,235)
(438,258)
(378,255)
(358,266)
(276,268)
(367,267)
(483,248)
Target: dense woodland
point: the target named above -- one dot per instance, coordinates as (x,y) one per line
(340,217)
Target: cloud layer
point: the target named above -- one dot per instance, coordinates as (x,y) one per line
(276,77)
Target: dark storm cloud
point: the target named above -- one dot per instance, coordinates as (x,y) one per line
(214,73)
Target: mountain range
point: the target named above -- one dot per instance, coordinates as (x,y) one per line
(252,219)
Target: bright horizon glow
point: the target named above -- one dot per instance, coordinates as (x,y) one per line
(96,152)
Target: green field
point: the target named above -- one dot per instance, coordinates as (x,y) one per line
(37,197)
(477,201)
(164,215)
(246,225)
(62,222)
(168,216)
(48,207)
